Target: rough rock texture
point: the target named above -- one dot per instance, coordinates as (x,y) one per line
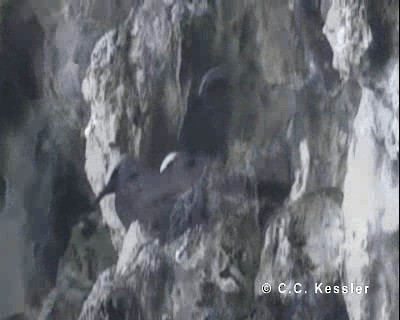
(307,194)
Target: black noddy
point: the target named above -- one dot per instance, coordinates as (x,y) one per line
(203,131)
(205,123)
(145,195)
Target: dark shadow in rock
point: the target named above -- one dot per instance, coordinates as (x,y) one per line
(57,199)
(381,47)
(274,174)
(21,59)
(395,170)
(19,316)
(46,257)
(275,191)
(318,52)
(162,140)
(123,304)
(188,211)
(89,227)
(89,36)
(3,192)
(271,195)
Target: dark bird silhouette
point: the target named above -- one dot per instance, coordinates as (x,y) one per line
(143,194)
(206,121)
(204,129)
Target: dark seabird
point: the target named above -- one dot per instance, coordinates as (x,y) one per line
(204,127)
(203,131)
(143,194)
(148,195)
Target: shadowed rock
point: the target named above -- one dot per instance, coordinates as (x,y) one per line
(19,316)
(318,52)
(3,191)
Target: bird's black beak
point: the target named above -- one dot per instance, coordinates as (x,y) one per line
(95,204)
(101,195)
(108,189)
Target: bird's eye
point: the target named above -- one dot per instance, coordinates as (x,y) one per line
(191,162)
(133,176)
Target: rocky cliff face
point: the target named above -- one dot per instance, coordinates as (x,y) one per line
(315,115)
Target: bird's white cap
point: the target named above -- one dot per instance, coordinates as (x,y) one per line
(171,157)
